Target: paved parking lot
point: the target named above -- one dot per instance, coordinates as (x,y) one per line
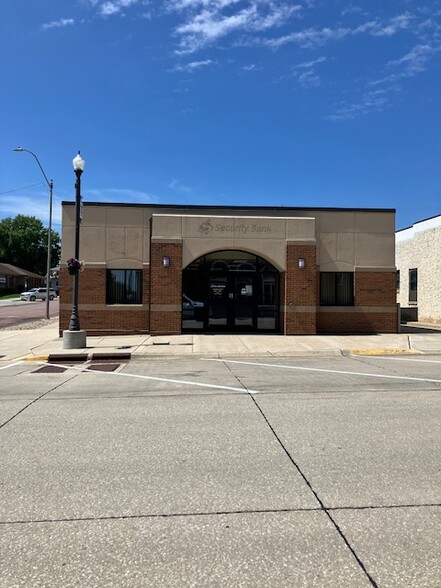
(299,472)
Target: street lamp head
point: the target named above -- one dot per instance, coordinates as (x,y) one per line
(78,163)
(18,149)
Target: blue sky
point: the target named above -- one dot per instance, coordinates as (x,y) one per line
(235,102)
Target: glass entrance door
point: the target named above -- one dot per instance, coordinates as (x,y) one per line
(218,303)
(230,291)
(243,311)
(230,302)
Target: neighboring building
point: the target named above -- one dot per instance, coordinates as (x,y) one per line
(55,278)
(171,269)
(15,279)
(419,270)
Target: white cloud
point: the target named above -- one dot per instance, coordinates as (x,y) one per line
(111,7)
(309,64)
(309,79)
(311,37)
(373,101)
(377,95)
(119,195)
(395,25)
(63,22)
(207,21)
(179,187)
(351,9)
(416,59)
(411,64)
(193,65)
(35,204)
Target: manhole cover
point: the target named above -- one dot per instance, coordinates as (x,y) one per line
(50,369)
(104,367)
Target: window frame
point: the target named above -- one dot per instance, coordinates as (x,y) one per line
(337,294)
(111,299)
(413,285)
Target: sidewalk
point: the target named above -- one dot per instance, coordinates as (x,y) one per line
(44,341)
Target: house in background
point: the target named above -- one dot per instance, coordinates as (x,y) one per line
(16,279)
(55,279)
(169,269)
(418,259)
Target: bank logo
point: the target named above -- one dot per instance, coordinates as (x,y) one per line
(205,228)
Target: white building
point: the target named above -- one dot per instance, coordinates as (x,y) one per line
(418,260)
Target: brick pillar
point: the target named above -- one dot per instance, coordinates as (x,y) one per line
(300,304)
(165,288)
(376,291)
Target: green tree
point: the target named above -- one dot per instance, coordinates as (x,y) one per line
(23,242)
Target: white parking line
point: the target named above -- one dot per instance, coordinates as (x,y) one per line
(306,369)
(407,359)
(123,374)
(5,367)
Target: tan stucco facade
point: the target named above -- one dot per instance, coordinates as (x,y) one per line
(138,237)
(119,236)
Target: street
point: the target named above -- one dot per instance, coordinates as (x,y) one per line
(277,471)
(15,312)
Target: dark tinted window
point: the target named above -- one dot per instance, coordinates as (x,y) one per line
(413,285)
(124,286)
(336,289)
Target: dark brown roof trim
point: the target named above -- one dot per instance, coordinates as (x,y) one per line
(224,207)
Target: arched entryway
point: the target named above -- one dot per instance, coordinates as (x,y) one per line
(230,291)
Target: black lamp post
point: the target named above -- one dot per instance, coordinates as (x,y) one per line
(49,231)
(78,165)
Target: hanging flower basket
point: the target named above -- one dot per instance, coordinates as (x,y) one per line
(74,266)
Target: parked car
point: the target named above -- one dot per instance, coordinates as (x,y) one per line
(192,309)
(38,294)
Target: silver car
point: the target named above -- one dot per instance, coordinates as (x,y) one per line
(37,294)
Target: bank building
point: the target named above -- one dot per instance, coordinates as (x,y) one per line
(166,269)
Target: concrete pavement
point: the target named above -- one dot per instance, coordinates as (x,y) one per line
(308,472)
(44,341)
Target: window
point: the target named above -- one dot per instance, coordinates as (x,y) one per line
(398,280)
(413,285)
(336,289)
(124,287)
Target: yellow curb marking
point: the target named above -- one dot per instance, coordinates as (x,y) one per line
(35,358)
(383,351)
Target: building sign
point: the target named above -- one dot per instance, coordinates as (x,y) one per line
(210,228)
(2,279)
(217,289)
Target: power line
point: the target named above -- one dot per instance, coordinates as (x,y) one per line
(23,188)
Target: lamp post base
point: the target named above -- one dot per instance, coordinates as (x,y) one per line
(74,339)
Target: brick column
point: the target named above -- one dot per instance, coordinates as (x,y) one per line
(376,291)
(300,304)
(165,288)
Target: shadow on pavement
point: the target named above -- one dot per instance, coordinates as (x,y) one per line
(413,329)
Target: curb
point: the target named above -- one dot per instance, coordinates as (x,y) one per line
(79,357)
(384,352)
